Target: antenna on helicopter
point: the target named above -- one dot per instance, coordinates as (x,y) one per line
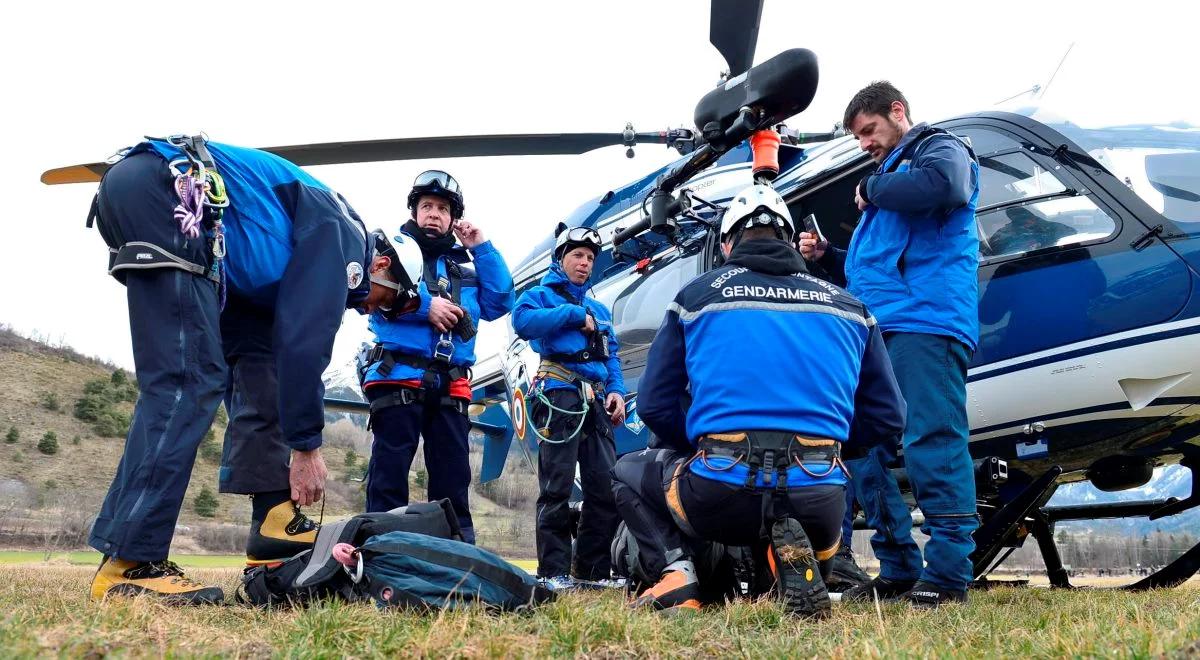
(1060,63)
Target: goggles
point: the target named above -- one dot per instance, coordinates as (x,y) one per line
(438,178)
(583,235)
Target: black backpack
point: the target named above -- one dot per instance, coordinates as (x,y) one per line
(314,574)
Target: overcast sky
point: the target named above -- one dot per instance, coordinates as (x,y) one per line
(83,79)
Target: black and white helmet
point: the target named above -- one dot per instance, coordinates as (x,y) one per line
(757,206)
(405,269)
(567,239)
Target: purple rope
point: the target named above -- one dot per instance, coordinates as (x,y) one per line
(189,213)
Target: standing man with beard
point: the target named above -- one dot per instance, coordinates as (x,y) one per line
(417,376)
(913,260)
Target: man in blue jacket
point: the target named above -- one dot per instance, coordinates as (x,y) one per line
(417,376)
(579,393)
(755,459)
(913,260)
(193,228)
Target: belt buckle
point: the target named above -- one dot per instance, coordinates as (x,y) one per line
(375,354)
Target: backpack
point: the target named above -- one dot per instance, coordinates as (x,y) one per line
(314,574)
(402,569)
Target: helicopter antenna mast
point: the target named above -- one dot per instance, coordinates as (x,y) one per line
(1060,63)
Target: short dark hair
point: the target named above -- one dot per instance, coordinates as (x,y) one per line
(875,99)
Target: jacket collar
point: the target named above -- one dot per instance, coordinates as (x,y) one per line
(557,277)
(770,256)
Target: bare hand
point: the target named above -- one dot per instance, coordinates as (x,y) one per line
(810,247)
(444,314)
(468,234)
(858,201)
(614,405)
(589,324)
(307,477)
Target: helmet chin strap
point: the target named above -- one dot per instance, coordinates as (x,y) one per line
(375,279)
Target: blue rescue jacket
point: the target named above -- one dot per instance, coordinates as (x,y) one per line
(914,255)
(486,292)
(551,324)
(763,345)
(290,242)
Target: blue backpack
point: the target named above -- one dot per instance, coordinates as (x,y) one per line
(420,571)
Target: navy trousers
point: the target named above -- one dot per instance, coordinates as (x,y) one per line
(181,374)
(397,430)
(932,373)
(255,457)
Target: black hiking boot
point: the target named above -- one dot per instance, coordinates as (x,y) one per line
(844,572)
(882,587)
(928,596)
(793,563)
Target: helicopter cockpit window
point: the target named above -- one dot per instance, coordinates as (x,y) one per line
(1008,177)
(1039,225)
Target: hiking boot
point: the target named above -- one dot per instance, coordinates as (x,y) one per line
(844,572)
(793,564)
(677,591)
(161,579)
(281,535)
(559,583)
(927,596)
(882,587)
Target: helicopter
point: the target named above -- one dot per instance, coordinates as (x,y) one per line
(1087,340)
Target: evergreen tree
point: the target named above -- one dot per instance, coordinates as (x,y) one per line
(48,445)
(205,503)
(13,435)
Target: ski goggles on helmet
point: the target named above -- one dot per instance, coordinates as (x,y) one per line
(577,237)
(437,178)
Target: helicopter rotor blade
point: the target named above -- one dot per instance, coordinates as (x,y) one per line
(455,146)
(733,30)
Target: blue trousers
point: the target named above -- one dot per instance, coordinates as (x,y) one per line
(932,372)
(174,324)
(397,430)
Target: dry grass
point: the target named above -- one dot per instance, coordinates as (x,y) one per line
(46,612)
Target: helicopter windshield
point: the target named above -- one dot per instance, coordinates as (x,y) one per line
(1159,162)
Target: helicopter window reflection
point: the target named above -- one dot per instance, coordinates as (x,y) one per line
(1039,225)
(1012,176)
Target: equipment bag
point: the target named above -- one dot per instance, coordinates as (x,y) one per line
(315,574)
(402,569)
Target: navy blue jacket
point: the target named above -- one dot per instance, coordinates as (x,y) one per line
(551,324)
(292,246)
(486,293)
(763,345)
(914,255)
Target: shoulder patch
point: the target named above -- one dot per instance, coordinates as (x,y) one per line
(354,274)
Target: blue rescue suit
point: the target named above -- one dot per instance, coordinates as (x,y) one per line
(293,245)
(435,409)
(550,316)
(913,261)
(748,340)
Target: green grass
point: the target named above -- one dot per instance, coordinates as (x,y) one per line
(87,558)
(45,611)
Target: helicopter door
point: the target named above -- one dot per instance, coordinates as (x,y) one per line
(1056,262)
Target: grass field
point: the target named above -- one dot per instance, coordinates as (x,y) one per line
(87,558)
(45,612)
